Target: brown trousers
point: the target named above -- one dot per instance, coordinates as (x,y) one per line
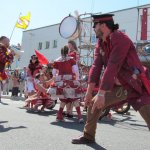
(116,95)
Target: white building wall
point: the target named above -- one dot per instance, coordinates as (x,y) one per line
(127,20)
(31,39)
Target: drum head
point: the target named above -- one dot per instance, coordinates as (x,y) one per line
(68,27)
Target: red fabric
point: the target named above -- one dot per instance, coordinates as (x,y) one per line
(103,19)
(79,112)
(3,75)
(144,25)
(118,56)
(34,69)
(73,54)
(42,59)
(64,67)
(4,57)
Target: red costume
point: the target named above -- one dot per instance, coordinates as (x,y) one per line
(5,59)
(122,69)
(119,57)
(42,99)
(34,68)
(74,54)
(65,87)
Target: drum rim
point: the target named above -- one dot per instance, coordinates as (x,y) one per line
(73,32)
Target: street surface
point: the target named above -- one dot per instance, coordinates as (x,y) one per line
(22,130)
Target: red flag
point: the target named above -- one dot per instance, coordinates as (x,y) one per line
(42,59)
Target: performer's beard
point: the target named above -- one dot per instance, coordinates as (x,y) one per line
(100,35)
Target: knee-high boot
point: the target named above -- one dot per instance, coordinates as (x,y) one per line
(79,114)
(60,116)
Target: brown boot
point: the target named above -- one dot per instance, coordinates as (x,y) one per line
(82,140)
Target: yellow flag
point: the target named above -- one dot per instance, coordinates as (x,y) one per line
(23,21)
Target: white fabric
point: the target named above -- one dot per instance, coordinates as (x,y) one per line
(52,91)
(54,71)
(29,85)
(67,77)
(36,81)
(69,92)
(63,77)
(75,70)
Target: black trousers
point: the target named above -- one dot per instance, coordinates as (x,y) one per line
(15,91)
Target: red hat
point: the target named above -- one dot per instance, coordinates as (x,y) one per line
(102,18)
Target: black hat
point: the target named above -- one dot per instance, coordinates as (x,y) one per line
(102,18)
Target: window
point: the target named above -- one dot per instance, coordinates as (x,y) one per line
(47,45)
(55,44)
(40,46)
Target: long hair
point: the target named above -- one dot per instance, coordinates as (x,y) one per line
(36,62)
(32,66)
(73,44)
(64,51)
(110,24)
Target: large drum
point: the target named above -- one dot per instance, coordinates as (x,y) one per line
(70,28)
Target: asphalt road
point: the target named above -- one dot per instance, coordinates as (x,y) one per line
(22,130)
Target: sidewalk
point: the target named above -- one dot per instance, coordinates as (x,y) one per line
(9,97)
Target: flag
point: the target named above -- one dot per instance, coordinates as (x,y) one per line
(23,21)
(42,59)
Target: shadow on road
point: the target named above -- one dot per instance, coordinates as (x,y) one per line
(3,129)
(45,113)
(3,103)
(69,124)
(120,123)
(76,126)
(96,146)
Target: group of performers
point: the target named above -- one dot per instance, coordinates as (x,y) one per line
(47,83)
(58,80)
(123,78)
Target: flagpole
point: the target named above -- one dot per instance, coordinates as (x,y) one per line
(14,28)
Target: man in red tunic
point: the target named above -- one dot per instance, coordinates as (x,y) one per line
(121,78)
(6,57)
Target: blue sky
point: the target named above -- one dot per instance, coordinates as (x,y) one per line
(48,12)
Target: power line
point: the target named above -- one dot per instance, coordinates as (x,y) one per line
(92,5)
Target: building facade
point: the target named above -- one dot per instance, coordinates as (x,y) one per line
(135,22)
